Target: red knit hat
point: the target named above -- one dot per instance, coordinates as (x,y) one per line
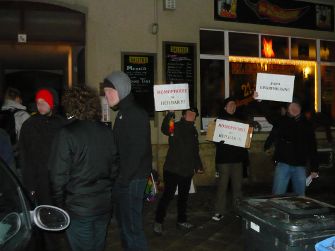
(47,96)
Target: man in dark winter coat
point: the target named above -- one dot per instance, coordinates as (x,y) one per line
(229,163)
(83,169)
(295,148)
(133,140)
(37,134)
(182,161)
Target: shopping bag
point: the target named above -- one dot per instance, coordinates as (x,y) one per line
(150,191)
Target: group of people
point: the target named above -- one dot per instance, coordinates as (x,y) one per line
(80,164)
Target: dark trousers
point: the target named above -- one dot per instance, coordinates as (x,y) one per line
(128,207)
(171,181)
(88,233)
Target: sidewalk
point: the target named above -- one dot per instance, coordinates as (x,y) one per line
(207,234)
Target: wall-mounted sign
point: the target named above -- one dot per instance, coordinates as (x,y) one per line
(179,65)
(295,14)
(171,97)
(141,68)
(275,87)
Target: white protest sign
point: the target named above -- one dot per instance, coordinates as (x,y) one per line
(171,97)
(275,87)
(231,132)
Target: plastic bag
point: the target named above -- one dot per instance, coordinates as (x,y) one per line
(150,192)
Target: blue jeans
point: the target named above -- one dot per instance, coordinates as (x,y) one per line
(128,209)
(88,233)
(284,173)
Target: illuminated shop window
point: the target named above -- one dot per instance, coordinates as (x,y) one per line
(327,51)
(328,91)
(303,49)
(212,86)
(274,47)
(243,79)
(241,44)
(211,42)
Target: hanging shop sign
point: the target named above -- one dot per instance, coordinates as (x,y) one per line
(179,65)
(171,97)
(275,87)
(140,68)
(294,14)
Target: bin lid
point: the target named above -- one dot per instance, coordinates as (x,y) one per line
(300,206)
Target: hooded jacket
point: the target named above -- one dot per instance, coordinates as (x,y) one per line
(21,115)
(132,132)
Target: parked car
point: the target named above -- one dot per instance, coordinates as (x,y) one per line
(19,218)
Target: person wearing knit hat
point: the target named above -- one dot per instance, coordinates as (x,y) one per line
(132,134)
(36,137)
(44,101)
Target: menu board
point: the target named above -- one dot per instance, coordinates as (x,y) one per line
(180,65)
(140,68)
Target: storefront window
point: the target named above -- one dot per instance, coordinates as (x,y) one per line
(328,91)
(274,47)
(211,42)
(212,86)
(241,44)
(243,80)
(327,51)
(304,49)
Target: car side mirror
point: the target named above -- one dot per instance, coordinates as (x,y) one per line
(50,218)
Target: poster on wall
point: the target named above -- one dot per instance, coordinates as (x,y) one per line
(171,97)
(275,87)
(295,14)
(179,65)
(141,69)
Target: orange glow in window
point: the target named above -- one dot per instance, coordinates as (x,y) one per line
(267,48)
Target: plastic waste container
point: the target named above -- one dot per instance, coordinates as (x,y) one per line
(286,223)
(326,245)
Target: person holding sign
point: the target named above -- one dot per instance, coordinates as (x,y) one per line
(295,148)
(229,163)
(133,140)
(181,162)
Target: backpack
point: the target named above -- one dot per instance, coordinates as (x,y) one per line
(7,122)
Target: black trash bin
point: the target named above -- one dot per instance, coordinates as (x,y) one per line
(286,223)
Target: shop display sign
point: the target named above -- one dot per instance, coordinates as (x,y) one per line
(275,87)
(140,68)
(179,64)
(294,14)
(230,133)
(171,97)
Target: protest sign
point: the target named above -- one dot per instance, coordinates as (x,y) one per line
(275,87)
(171,97)
(230,132)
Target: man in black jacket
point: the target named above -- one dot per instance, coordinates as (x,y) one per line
(133,140)
(182,161)
(295,148)
(83,170)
